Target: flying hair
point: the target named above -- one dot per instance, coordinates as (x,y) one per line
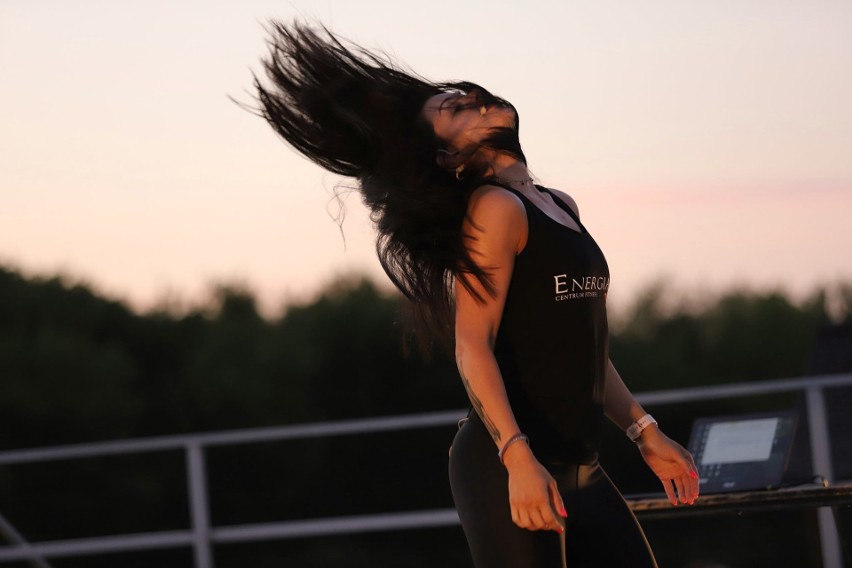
(358,114)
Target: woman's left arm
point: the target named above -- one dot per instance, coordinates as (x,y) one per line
(669,461)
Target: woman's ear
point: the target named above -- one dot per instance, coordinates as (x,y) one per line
(449,159)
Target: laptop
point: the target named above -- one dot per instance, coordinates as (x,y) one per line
(742,452)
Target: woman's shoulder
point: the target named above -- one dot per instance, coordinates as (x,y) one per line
(495,212)
(488,200)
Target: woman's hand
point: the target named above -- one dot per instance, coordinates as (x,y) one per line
(671,463)
(533,495)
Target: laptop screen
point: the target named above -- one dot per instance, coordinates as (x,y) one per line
(737,453)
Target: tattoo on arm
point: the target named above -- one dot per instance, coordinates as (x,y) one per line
(477,405)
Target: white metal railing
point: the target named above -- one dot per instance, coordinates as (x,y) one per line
(201,535)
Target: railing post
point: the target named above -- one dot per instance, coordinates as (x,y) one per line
(199,505)
(832,556)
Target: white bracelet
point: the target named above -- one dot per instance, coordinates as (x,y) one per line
(636,428)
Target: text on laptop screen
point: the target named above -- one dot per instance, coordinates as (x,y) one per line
(740,441)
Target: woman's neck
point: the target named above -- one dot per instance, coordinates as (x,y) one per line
(511,170)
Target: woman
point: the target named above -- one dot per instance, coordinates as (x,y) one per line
(506,269)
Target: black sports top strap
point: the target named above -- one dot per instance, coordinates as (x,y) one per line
(562,205)
(556,199)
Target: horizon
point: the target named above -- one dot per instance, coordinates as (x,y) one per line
(677,300)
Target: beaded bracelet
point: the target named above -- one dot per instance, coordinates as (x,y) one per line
(517,437)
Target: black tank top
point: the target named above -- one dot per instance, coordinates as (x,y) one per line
(553,342)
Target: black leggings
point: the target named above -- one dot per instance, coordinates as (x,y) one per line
(601,530)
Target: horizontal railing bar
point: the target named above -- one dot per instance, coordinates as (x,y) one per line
(386,423)
(97,545)
(251,435)
(336,525)
(743,389)
(241,533)
(95,449)
(305,528)
(345,427)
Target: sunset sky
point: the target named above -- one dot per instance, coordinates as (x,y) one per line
(708,144)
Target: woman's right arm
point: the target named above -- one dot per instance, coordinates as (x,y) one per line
(497,229)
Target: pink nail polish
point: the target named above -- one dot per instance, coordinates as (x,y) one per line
(692,474)
(563,512)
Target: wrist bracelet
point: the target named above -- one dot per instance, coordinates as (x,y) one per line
(635,429)
(517,437)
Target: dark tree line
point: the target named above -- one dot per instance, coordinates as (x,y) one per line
(75,367)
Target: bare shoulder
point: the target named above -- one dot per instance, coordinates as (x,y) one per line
(490,204)
(569,201)
(496,219)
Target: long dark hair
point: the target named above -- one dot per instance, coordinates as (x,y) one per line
(358,114)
